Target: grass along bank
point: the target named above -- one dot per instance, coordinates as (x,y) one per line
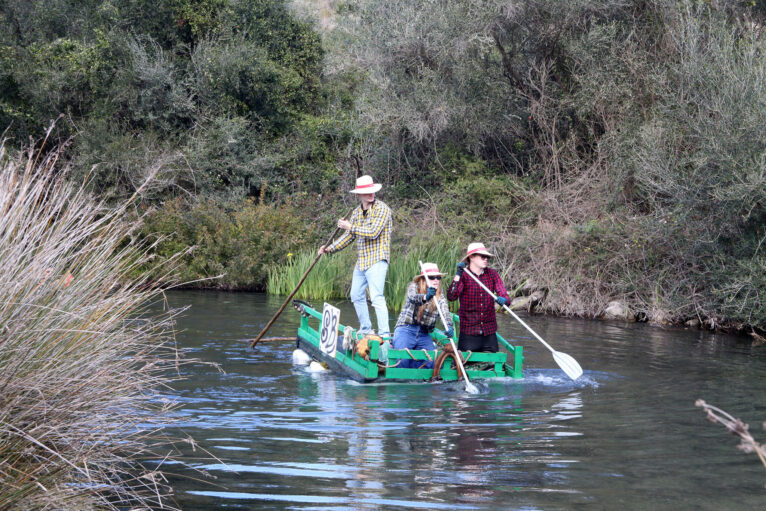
(81,361)
(331,277)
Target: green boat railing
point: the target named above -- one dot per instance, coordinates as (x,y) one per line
(500,366)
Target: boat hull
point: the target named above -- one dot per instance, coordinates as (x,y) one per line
(373,368)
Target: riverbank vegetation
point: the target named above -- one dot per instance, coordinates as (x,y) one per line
(332,279)
(607,151)
(82,363)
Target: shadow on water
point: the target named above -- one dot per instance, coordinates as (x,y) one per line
(626,434)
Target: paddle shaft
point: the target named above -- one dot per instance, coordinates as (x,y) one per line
(494,297)
(454,348)
(444,322)
(289,297)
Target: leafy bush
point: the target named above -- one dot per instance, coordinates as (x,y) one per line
(698,159)
(222,157)
(182,71)
(238,77)
(151,91)
(232,247)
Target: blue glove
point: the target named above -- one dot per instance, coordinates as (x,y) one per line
(450,333)
(430,293)
(460,267)
(501,301)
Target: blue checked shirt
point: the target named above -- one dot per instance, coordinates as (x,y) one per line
(372,232)
(409,314)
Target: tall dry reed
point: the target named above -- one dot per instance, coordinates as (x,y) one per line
(81,361)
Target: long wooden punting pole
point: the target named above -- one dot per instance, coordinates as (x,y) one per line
(290,296)
(274,339)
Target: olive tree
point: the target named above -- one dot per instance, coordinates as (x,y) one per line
(465,73)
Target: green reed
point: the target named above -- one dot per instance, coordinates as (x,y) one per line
(331,276)
(402,269)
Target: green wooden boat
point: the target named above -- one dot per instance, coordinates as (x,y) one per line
(375,367)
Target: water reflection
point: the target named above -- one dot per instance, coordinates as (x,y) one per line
(434,439)
(624,432)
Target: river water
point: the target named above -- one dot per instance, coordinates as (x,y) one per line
(626,435)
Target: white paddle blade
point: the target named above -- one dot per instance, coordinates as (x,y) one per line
(568,364)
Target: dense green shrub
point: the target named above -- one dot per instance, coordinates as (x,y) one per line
(150,92)
(698,160)
(231,248)
(175,71)
(468,74)
(116,163)
(238,77)
(222,156)
(606,149)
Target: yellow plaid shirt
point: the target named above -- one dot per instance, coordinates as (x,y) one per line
(372,232)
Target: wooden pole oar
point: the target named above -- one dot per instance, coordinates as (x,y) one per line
(469,387)
(289,297)
(567,364)
(273,339)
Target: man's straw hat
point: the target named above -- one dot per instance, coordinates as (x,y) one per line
(476,248)
(364,184)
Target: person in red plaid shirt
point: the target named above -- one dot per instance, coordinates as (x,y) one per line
(478,323)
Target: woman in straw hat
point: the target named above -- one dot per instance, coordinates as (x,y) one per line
(370,226)
(478,324)
(419,314)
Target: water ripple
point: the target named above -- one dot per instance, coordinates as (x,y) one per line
(317,499)
(625,432)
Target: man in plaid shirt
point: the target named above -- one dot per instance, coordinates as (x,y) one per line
(478,324)
(370,226)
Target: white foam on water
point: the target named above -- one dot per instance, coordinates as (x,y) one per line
(472,389)
(316,367)
(301,358)
(556,378)
(544,379)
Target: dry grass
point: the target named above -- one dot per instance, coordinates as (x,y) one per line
(735,426)
(81,361)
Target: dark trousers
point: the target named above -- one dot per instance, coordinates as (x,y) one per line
(477,343)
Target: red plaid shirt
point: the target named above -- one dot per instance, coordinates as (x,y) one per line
(477,308)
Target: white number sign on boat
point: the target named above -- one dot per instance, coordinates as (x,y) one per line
(328,336)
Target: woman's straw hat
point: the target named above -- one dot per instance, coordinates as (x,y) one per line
(429,269)
(476,248)
(364,184)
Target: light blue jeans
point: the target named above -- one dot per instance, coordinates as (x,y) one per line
(375,278)
(412,337)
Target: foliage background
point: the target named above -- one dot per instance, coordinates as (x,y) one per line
(605,150)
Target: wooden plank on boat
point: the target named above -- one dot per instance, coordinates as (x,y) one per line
(349,363)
